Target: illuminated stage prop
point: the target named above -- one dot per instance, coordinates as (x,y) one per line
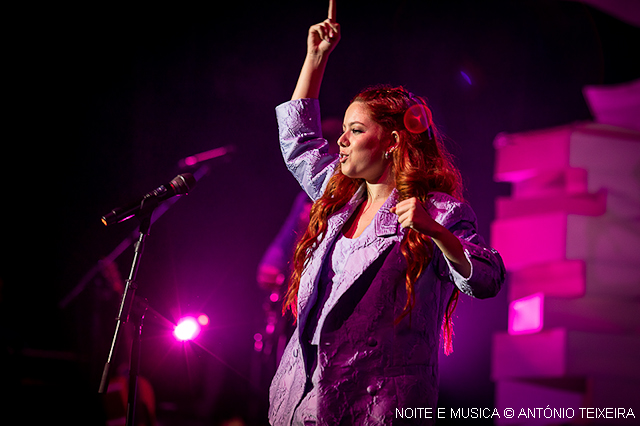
(569,235)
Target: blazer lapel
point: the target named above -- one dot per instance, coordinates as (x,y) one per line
(308,291)
(386,232)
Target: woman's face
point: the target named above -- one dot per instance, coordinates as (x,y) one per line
(362,145)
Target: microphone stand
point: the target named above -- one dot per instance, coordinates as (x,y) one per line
(79,288)
(144,216)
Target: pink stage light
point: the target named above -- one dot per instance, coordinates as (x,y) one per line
(257,342)
(188,328)
(526,315)
(192,160)
(203,320)
(416,118)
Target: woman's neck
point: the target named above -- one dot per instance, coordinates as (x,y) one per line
(377,193)
(382,188)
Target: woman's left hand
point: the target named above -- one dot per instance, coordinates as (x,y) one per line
(413,214)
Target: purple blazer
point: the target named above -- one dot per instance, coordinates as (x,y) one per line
(367,366)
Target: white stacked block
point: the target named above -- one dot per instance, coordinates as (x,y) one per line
(571,230)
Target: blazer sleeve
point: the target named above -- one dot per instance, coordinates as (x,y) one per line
(305,152)
(487,269)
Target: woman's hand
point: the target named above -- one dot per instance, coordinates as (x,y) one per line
(321,41)
(323,37)
(413,214)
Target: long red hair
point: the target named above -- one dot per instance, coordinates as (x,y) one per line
(421,165)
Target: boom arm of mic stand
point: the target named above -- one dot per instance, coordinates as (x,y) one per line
(198,174)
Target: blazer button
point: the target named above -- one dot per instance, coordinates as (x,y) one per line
(372,342)
(372,390)
(295,353)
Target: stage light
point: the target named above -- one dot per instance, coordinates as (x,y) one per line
(466,77)
(188,328)
(257,344)
(416,118)
(203,320)
(274,297)
(526,314)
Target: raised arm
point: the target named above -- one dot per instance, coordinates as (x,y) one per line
(321,41)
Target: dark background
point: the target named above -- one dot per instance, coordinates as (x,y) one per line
(104,100)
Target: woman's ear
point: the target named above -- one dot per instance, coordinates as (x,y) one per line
(395,141)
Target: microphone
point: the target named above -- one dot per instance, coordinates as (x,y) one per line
(181,184)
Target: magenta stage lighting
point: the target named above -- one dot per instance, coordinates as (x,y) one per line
(270,328)
(203,320)
(526,314)
(193,160)
(257,342)
(188,328)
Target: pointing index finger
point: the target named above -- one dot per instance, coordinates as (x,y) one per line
(332,10)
